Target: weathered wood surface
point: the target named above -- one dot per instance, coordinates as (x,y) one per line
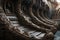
(24,16)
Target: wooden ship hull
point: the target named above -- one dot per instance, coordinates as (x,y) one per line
(27,19)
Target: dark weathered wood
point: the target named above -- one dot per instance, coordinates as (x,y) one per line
(21,13)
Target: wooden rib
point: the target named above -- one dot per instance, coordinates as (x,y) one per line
(24,20)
